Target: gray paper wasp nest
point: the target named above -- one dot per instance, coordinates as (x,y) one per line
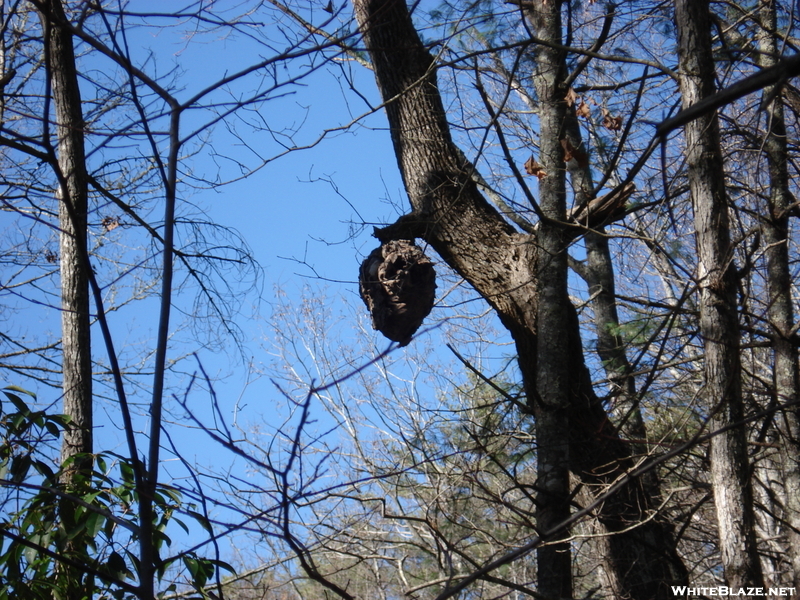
(398,285)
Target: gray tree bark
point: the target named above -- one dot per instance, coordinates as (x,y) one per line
(598,272)
(555,381)
(75,306)
(719,325)
(450,214)
(72,215)
(775,228)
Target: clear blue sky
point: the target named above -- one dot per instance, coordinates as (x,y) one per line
(306,205)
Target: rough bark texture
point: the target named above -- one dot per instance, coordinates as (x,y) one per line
(719,324)
(503,266)
(75,322)
(775,228)
(72,215)
(555,380)
(445,200)
(598,273)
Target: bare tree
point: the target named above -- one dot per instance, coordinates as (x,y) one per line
(137,138)
(640,433)
(781,310)
(76,346)
(718,311)
(452,216)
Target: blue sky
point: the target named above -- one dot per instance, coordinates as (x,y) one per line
(305,206)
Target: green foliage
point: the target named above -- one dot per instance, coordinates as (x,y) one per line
(202,570)
(35,539)
(635,332)
(674,424)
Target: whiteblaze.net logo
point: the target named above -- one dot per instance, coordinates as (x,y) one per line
(721,590)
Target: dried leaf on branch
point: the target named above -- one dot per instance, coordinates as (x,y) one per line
(609,122)
(571,152)
(571,97)
(534,168)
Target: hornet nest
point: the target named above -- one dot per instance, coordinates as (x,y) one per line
(398,284)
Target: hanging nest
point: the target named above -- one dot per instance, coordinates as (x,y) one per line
(398,284)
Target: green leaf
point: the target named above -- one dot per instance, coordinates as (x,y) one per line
(45,471)
(109,527)
(134,561)
(174,494)
(181,523)
(201,570)
(192,565)
(163,566)
(16,388)
(221,564)
(91,496)
(31,554)
(94,523)
(117,566)
(16,421)
(21,407)
(53,428)
(19,467)
(77,530)
(201,519)
(159,537)
(126,471)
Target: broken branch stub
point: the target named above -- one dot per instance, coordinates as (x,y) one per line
(398,284)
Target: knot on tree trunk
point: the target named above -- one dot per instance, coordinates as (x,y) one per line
(398,284)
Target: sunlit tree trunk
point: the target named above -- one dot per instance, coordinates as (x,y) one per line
(719,325)
(72,214)
(775,228)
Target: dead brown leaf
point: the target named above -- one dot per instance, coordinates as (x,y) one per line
(110,223)
(609,122)
(583,110)
(571,152)
(534,168)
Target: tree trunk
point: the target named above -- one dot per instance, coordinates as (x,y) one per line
(555,381)
(775,229)
(598,273)
(449,212)
(72,214)
(719,325)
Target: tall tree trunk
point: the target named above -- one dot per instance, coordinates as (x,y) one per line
(719,325)
(449,212)
(598,273)
(775,228)
(72,214)
(555,381)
